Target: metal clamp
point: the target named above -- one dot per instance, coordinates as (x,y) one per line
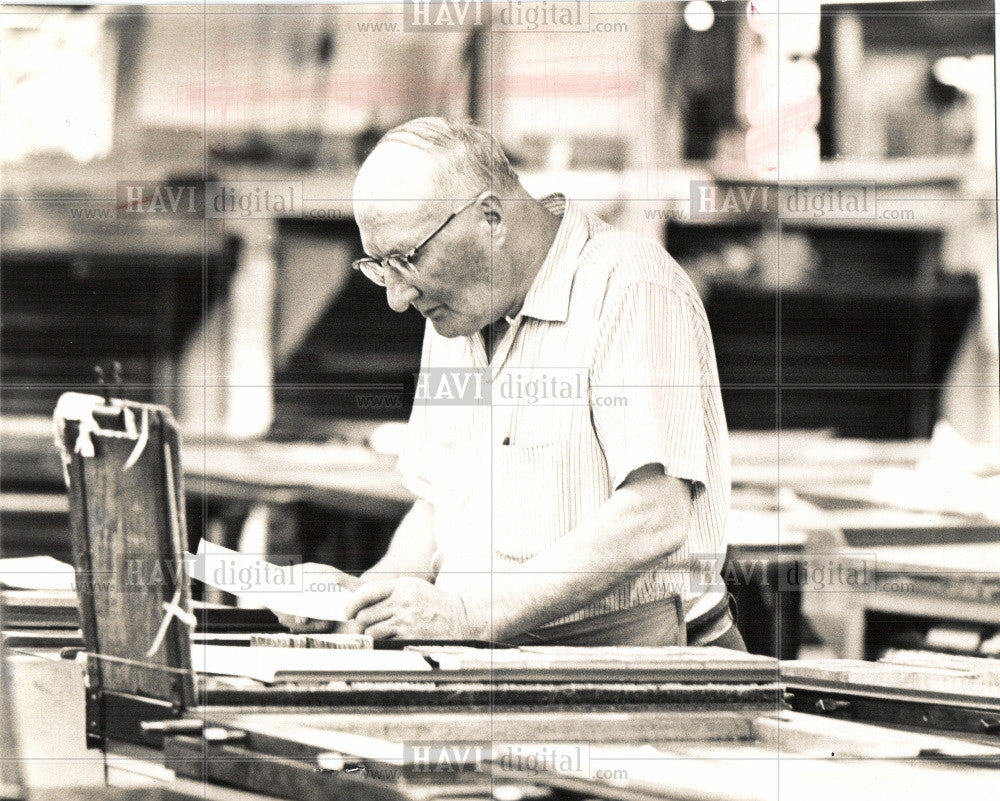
(990,725)
(831,705)
(173,726)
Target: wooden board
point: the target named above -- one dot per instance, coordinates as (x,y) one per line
(40,609)
(942,678)
(291,734)
(377,696)
(554,665)
(127,520)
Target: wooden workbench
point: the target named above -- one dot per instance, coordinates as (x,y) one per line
(348,499)
(343,477)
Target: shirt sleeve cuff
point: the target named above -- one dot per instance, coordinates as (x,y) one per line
(689,470)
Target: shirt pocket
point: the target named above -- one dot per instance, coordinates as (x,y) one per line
(531,494)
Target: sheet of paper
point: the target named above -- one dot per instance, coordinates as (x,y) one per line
(37,573)
(268,664)
(287,589)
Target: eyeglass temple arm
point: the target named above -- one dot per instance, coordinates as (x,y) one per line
(413,251)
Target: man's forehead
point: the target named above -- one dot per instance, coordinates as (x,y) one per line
(396,195)
(396,225)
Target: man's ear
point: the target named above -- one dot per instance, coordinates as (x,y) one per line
(491,209)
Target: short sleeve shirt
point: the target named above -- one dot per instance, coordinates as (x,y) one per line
(608,366)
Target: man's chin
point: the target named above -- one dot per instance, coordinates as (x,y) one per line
(447,326)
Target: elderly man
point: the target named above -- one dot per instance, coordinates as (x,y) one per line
(541,520)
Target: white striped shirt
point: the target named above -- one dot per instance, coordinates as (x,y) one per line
(611,313)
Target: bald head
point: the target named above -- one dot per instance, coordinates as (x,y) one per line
(396,171)
(466,159)
(397,182)
(419,171)
(451,182)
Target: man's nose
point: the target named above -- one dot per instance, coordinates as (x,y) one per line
(400,294)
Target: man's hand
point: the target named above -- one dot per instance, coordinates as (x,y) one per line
(314,573)
(305,625)
(408,608)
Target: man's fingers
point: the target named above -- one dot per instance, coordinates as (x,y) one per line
(303,625)
(385,630)
(288,621)
(373,614)
(350,627)
(366,595)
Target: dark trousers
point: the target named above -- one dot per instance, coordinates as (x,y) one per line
(653,624)
(658,623)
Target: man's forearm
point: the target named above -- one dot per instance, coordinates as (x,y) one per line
(411,550)
(633,530)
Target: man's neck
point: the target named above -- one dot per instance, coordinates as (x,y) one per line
(540,228)
(492,335)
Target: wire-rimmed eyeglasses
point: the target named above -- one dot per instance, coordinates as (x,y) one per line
(377,269)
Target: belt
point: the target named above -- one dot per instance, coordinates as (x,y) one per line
(710,624)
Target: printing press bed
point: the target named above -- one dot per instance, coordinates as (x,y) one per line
(728,734)
(716,725)
(674,723)
(458,680)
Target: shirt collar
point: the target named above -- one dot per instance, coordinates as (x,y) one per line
(548,296)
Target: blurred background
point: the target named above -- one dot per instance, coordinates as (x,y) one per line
(847,333)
